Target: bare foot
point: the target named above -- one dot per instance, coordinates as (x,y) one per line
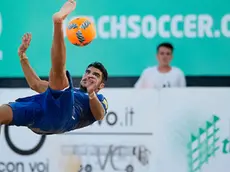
(65,10)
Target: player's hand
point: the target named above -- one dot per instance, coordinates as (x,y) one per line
(26,39)
(91,84)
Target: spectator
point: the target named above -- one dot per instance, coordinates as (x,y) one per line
(162,75)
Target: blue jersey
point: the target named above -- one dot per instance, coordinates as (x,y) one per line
(54,111)
(82,110)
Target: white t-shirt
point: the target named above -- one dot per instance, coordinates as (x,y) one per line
(152,78)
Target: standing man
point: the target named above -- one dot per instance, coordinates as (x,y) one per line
(163,75)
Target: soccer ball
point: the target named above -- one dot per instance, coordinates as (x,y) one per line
(81,31)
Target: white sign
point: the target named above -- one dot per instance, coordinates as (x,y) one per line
(182,130)
(124,141)
(193,131)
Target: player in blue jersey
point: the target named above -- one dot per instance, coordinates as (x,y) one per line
(58,107)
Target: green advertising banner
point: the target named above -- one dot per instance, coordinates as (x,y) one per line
(127,35)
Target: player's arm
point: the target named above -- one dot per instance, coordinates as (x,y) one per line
(97,107)
(34,82)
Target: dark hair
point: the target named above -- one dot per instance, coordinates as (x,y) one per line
(165,44)
(101,67)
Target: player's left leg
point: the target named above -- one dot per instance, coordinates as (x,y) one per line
(57,78)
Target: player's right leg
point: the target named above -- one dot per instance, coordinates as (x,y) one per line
(58,79)
(23,112)
(6,114)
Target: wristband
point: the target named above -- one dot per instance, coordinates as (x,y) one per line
(23,57)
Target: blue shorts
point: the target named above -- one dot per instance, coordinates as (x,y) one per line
(48,112)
